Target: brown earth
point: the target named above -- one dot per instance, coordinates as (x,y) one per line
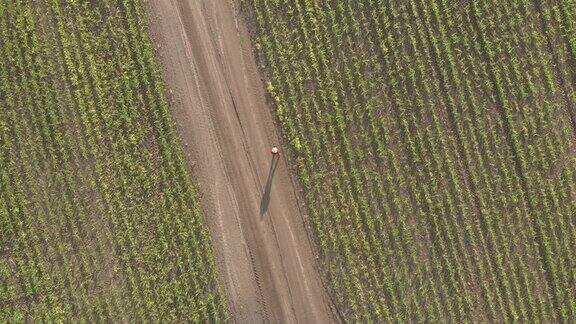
(265,258)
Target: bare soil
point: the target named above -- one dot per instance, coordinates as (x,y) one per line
(265,258)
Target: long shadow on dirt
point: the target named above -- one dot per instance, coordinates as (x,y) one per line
(265,201)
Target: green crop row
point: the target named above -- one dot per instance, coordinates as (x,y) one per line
(433,143)
(100,220)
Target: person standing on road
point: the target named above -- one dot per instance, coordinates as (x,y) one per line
(275,151)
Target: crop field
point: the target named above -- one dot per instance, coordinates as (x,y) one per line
(435,143)
(99,220)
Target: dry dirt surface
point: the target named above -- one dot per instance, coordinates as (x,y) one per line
(265,258)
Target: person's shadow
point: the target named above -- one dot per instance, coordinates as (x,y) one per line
(265,201)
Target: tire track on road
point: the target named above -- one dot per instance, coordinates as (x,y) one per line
(223,112)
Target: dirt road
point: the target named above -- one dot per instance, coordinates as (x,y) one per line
(264,255)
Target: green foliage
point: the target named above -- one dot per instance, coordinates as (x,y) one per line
(98,217)
(428,136)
